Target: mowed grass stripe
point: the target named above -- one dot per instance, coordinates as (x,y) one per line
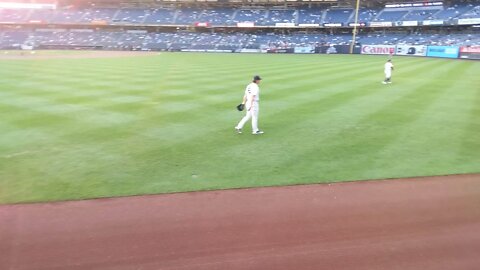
(206,103)
(401,119)
(336,90)
(425,142)
(470,142)
(180,134)
(246,148)
(468,117)
(356,139)
(338,133)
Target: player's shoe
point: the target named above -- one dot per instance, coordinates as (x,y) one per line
(389,82)
(384,82)
(238,130)
(258,132)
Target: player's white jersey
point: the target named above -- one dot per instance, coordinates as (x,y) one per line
(388,67)
(252,91)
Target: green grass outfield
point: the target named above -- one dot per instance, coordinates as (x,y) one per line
(88,128)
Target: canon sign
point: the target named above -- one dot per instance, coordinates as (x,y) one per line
(378,49)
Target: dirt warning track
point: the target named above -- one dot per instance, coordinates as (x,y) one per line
(418,223)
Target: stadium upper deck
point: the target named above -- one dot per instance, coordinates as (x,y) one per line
(257,16)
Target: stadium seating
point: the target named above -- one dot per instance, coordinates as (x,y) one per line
(227,16)
(231,16)
(98,14)
(188,16)
(160,16)
(474,12)
(248,15)
(129,15)
(310,16)
(389,15)
(207,41)
(281,16)
(12,16)
(217,16)
(421,14)
(338,15)
(365,15)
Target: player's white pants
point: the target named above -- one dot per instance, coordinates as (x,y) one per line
(388,74)
(252,113)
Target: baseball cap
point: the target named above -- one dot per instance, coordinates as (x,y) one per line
(257,78)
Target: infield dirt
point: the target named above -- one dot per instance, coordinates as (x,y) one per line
(417,223)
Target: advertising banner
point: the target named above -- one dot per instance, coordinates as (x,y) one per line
(413,50)
(414,4)
(469,21)
(245,24)
(333,24)
(284,24)
(340,49)
(249,51)
(407,23)
(304,49)
(380,24)
(287,50)
(362,24)
(206,50)
(378,49)
(202,24)
(309,25)
(432,22)
(470,52)
(443,51)
(26,47)
(99,22)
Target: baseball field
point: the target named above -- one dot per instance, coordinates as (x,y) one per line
(77,127)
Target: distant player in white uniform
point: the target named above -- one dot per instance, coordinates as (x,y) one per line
(251,99)
(388,72)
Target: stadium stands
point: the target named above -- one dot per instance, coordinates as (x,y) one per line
(188,16)
(473,12)
(310,16)
(250,15)
(217,16)
(230,16)
(389,15)
(99,14)
(205,41)
(160,16)
(338,15)
(421,14)
(129,15)
(120,39)
(451,12)
(365,15)
(281,16)
(12,16)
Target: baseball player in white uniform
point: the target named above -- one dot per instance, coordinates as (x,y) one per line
(251,99)
(388,71)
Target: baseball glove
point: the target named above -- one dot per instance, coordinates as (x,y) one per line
(240,107)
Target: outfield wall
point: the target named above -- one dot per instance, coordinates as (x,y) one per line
(443,51)
(411,50)
(463,52)
(470,52)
